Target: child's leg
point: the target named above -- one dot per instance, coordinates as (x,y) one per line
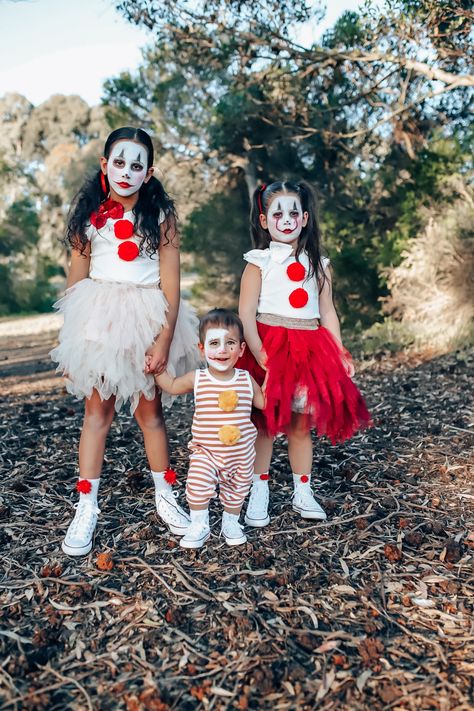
(98,417)
(257,508)
(300,453)
(200,489)
(233,489)
(149,415)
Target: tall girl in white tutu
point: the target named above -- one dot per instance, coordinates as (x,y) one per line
(123,321)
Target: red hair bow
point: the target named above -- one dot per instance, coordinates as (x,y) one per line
(108,209)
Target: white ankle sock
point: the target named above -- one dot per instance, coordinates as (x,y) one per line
(303,480)
(199,516)
(261,478)
(229,516)
(160,483)
(92,494)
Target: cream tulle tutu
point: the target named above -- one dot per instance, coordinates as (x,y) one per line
(108,326)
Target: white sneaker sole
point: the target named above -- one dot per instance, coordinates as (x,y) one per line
(315,515)
(83,550)
(195,544)
(236,541)
(257,522)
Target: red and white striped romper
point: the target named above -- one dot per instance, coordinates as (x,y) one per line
(211,461)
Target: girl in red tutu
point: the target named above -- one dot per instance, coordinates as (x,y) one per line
(293,343)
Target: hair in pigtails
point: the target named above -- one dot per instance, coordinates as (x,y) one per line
(310,236)
(153,204)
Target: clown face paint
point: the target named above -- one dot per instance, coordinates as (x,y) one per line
(285,218)
(127,167)
(222,348)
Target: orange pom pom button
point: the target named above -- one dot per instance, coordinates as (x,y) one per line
(229,434)
(123,229)
(128,251)
(228,400)
(296,271)
(298,298)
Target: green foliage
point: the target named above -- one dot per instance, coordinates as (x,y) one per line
(19,229)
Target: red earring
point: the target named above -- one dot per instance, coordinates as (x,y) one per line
(103,184)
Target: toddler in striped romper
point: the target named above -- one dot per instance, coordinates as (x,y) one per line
(223,436)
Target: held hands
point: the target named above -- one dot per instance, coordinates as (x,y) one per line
(156,357)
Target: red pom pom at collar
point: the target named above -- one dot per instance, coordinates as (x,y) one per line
(84,486)
(264,477)
(298,298)
(304,479)
(128,251)
(171,476)
(123,229)
(296,271)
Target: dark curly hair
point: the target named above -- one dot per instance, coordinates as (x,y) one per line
(152,201)
(309,240)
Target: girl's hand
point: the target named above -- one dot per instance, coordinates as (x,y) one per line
(348,363)
(156,357)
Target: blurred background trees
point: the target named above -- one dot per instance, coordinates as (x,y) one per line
(375,114)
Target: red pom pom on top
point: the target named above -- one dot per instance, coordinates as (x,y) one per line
(84,486)
(298,298)
(123,229)
(304,479)
(170,476)
(296,271)
(128,251)
(264,477)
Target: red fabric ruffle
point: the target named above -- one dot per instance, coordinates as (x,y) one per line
(314,360)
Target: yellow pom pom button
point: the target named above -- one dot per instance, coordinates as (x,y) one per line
(228,400)
(229,434)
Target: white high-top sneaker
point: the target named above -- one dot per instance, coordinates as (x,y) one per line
(232,530)
(198,531)
(171,512)
(257,507)
(304,502)
(78,540)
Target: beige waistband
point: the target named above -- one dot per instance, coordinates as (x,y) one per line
(155,285)
(306,324)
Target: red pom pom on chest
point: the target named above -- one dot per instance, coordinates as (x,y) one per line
(84,486)
(298,298)
(123,229)
(296,271)
(128,251)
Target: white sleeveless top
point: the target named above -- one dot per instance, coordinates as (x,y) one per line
(115,253)
(286,289)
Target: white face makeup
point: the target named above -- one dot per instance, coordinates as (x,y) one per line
(221,348)
(285,218)
(127,167)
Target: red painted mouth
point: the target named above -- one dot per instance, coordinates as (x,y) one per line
(287,231)
(124,185)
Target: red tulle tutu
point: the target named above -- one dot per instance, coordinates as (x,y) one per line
(312,361)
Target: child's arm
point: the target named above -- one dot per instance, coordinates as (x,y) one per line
(169,279)
(330,320)
(79,265)
(250,286)
(258,396)
(176,386)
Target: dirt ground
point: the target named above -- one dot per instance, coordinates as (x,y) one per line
(371,609)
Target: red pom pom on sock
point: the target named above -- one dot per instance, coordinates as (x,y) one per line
(304,479)
(84,486)
(171,476)
(264,477)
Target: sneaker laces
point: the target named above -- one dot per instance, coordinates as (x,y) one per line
(173,509)
(231,528)
(196,529)
(83,522)
(305,497)
(259,497)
